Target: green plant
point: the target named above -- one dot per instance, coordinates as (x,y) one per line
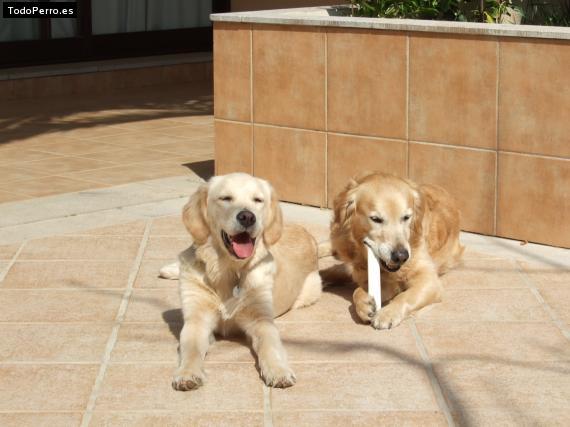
(498,11)
(415,9)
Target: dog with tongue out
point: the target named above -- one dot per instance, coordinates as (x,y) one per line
(244,268)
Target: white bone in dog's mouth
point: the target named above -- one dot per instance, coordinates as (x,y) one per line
(240,245)
(370,243)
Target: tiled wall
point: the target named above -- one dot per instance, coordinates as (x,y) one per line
(487,118)
(103,81)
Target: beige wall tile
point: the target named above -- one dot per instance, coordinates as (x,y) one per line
(534,96)
(233,147)
(468,175)
(232,74)
(534,199)
(293,161)
(349,156)
(366,82)
(453,90)
(289,83)
(46,387)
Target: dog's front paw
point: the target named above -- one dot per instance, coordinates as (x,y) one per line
(364,304)
(278,377)
(185,381)
(387,318)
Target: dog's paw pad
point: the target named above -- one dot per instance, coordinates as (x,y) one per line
(187,382)
(279,378)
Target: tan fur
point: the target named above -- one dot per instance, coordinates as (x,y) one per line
(278,276)
(431,237)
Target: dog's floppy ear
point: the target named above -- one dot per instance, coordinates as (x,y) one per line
(416,227)
(274,225)
(194,215)
(345,203)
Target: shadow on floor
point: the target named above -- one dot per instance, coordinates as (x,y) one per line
(23,119)
(204,169)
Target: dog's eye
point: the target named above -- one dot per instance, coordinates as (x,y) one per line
(258,200)
(226,198)
(406,218)
(376,219)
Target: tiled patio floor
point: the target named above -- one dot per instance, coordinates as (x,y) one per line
(88,333)
(59,145)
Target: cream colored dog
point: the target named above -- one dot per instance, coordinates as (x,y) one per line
(243,269)
(413,231)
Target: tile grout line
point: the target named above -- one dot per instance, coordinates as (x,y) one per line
(115,331)
(497,92)
(551,312)
(326,198)
(435,385)
(267,410)
(251,98)
(408,105)
(6,270)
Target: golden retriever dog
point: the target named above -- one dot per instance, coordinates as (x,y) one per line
(243,269)
(412,230)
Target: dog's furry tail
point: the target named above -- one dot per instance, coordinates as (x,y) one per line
(325,249)
(170,271)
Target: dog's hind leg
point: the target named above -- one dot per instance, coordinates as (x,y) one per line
(170,271)
(310,292)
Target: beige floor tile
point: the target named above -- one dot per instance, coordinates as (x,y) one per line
(75,147)
(207,119)
(475,273)
(40,187)
(489,341)
(198,146)
(82,247)
(512,416)
(333,306)
(59,306)
(152,305)
(558,297)
(6,197)
(12,174)
(347,342)
(134,228)
(149,388)
(137,140)
(489,305)
(519,389)
(125,174)
(544,275)
(367,387)
(8,251)
(66,164)
(358,418)
(40,419)
(18,155)
(45,387)
(159,343)
(128,155)
(148,124)
(147,276)
(168,226)
(93,131)
(178,419)
(166,248)
(53,343)
(67,274)
(188,131)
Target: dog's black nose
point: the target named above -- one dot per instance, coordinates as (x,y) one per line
(246,218)
(400,255)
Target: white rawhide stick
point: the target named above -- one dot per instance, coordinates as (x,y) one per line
(374,285)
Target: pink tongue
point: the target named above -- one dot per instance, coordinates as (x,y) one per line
(242,245)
